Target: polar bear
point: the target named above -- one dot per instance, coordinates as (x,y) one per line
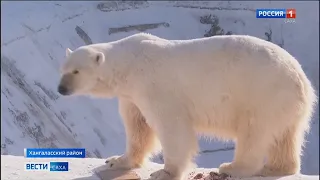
(234,87)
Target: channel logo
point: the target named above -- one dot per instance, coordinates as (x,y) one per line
(46,166)
(276,13)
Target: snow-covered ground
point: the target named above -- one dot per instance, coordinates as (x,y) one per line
(34,36)
(93,169)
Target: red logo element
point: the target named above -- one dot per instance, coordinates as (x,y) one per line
(291,13)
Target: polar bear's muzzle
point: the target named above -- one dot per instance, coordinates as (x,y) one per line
(64,87)
(63,90)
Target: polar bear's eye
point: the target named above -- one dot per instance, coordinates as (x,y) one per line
(75,72)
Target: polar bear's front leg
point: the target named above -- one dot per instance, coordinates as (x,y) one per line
(140,138)
(178,140)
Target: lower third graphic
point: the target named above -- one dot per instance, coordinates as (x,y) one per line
(44,166)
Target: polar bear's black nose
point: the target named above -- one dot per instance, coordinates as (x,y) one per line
(63,90)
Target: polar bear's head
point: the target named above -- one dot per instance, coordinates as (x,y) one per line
(80,72)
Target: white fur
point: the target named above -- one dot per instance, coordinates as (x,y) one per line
(233,87)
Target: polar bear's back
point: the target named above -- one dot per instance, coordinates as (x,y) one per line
(236,62)
(247,71)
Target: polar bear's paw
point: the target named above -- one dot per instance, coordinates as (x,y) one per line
(237,170)
(162,175)
(120,162)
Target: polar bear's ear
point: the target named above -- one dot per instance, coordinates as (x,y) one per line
(100,58)
(68,52)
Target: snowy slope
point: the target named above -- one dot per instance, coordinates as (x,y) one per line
(34,36)
(93,169)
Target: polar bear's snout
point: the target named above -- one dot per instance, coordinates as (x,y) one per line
(63,90)
(64,87)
